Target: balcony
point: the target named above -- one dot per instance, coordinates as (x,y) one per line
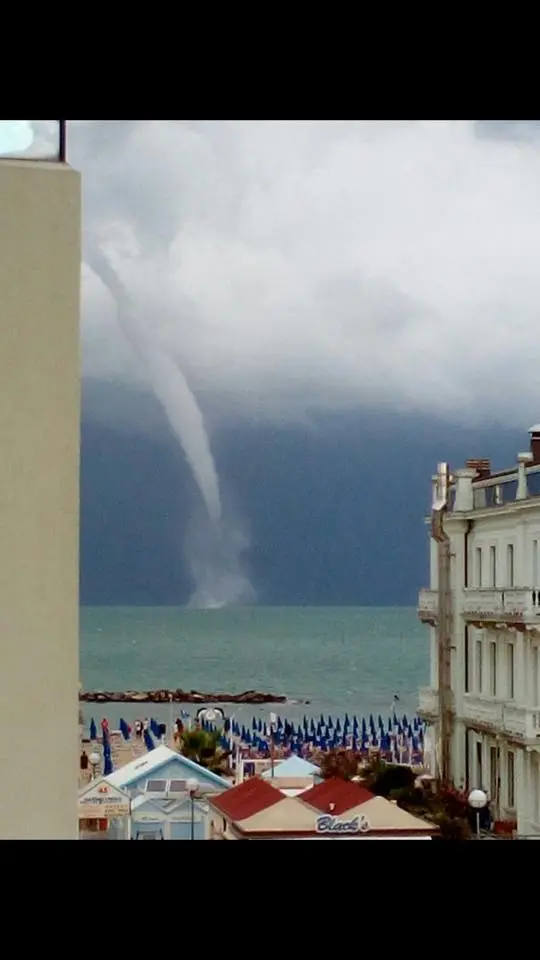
(428,606)
(502,606)
(33,140)
(428,702)
(501,718)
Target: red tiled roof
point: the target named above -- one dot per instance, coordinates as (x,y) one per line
(343,794)
(247,799)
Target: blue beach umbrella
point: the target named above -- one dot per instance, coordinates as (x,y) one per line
(108,766)
(148,742)
(93,729)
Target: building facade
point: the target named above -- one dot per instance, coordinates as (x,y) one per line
(162,808)
(40,270)
(483,610)
(333,809)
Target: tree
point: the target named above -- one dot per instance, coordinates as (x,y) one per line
(203,747)
(391,779)
(339,763)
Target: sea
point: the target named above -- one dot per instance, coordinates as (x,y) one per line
(357,660)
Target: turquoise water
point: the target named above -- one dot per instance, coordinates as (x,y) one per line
(341,659)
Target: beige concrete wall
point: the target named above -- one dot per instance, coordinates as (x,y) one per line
(40,267)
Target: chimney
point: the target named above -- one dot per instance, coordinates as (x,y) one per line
(534,434)
(524,460)
(482,467)
(464,489)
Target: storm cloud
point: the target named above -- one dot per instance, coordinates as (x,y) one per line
(297,266)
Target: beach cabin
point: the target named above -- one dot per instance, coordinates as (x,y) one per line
(293,776)
(162,806)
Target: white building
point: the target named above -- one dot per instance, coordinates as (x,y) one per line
(40,271)
(483,608)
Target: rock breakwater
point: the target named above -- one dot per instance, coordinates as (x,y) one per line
(178,696)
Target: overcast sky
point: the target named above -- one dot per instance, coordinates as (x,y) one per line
(296,265)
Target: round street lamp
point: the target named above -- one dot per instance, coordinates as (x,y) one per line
(478,801)
(192,788)
(95,761)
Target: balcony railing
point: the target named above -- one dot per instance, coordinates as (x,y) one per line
(501,718)
(33,140)
(520,606)
(428,605)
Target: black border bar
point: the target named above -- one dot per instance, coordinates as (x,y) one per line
(62,141)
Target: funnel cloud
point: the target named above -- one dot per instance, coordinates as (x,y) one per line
(213,549)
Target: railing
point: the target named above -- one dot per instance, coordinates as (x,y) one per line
(428,604)
(33,140)
(521,605)
(504,719)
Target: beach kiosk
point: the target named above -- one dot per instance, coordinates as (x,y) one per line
(99,804)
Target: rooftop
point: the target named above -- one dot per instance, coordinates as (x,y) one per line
(293,768)
(247,799)
(150,763)
(336,796)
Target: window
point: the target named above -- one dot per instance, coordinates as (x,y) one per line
(479,666)
(534,677)
(467,654)
(493,669)
(493,773)
(479,771)
(510,768)
(178,786)
(493,566)
(479,566)
(510,669)
(510,564)
(156,786)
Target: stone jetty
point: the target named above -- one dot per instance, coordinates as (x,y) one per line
(178,696)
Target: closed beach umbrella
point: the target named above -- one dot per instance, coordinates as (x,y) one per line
(93,729)
(148,742)
(107,766)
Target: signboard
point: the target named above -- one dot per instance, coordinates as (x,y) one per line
(334,826)
(101,801)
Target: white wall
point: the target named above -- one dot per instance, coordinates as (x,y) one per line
(40,266)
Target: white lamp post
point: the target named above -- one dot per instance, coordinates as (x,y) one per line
(478,801)
(95,761)
(192,787)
